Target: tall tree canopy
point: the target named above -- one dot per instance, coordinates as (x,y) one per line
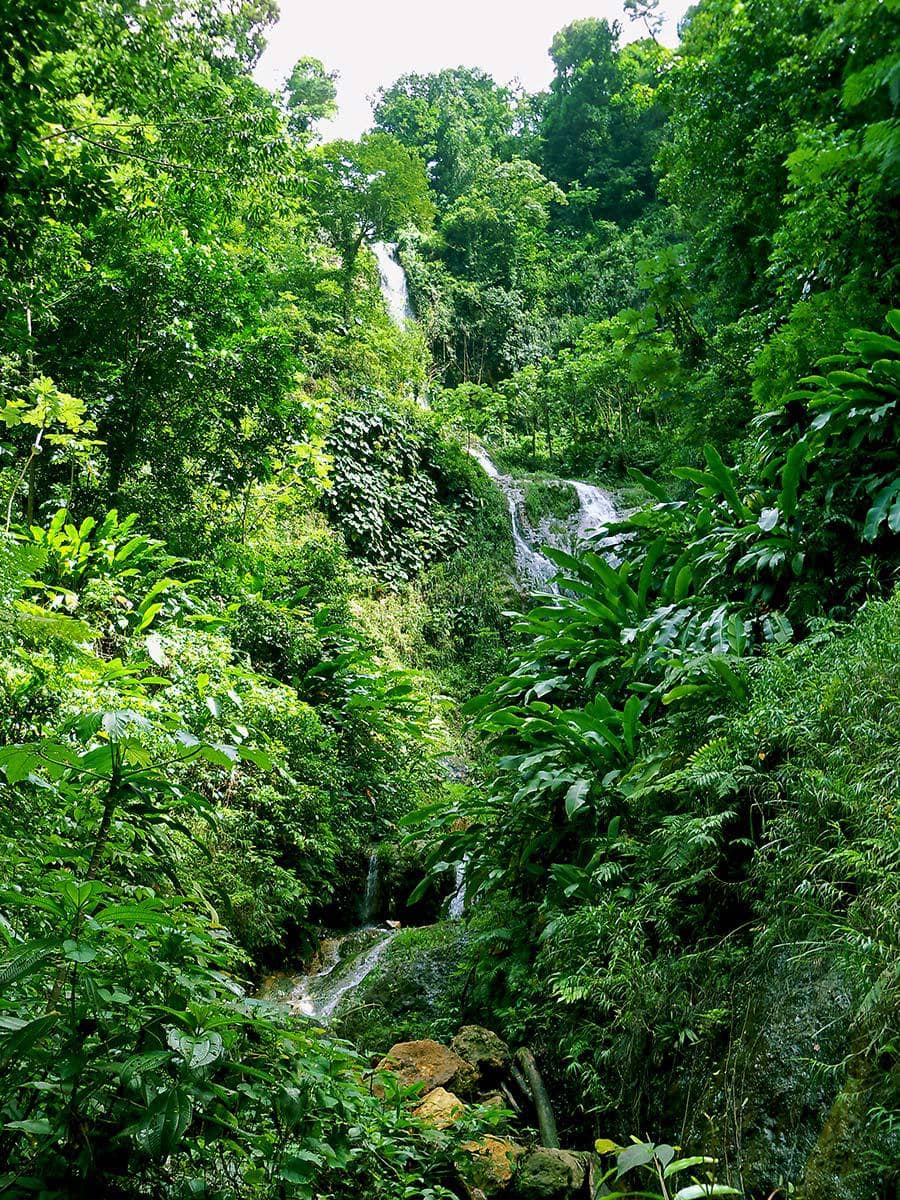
(370,189)
(310,94)
(458,120)
(601,119)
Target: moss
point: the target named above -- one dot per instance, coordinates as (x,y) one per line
(760,1102)
(857,1157)
(550,498)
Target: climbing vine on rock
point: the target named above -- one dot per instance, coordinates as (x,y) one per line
(397,492)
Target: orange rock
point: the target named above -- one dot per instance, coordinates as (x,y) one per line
(440,1108)
(493,1162)
(431,1064)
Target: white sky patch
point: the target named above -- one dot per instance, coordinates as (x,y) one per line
(372,43)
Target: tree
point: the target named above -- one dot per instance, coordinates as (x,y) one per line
(457,120)
(601,120)
(368,191)
(795,169)
(147,221)
(648,12)
(309,94)
(495,230)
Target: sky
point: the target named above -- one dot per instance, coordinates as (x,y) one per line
(372,42)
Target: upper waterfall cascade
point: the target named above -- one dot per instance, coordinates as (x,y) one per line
(392,278)
(456,906)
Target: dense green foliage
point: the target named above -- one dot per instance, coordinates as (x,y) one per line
(258,614)
(694,744)
(693,257)
(205,728)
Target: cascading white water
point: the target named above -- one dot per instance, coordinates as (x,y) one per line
(532,567)
(344,962)
(457,903)
(393,282)
(369,906)
(595,509)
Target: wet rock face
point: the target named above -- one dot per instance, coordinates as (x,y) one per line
(761,1111)
(413,992)
(485,1051)
(550,1175)
(429,1063)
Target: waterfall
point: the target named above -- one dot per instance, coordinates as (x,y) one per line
(457,904)
(392,278)
(344,962)
(369,907)
(532,567)
(595,509)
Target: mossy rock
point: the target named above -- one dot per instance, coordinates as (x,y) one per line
(554,498)
(416,990)
(545,1174)
(762,1109)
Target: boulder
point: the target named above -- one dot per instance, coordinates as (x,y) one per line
(484,1050)
(545,1174)
(493,1164)
(440,1108)
(429,1063)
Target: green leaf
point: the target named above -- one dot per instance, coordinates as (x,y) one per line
(156,651)
(638,1155)
(790,478)
(38,1126)
(19,765)
(576,797)
(78,952)
(148,617)
(197,1050)
(725,477)
(32,956)
(682,584)
(879,510)
(605,1146)
(683,691)
(165,1123)
(219,755)
(258,757)
(683,1164)
(696,1191)
(17,1044)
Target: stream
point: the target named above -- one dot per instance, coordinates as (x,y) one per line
(344,960)
(341,963)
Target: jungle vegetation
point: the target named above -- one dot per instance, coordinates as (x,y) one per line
(255,596)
